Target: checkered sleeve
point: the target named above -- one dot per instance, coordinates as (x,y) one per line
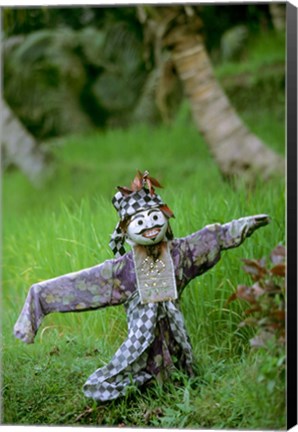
(88,289)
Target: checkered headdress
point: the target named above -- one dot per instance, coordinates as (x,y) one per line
(127,202)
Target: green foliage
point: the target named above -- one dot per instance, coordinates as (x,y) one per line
(118,86)
(261,50)
(266,298)
(232,42)
(65,80)
(65,226)
(75,69)
(256,17)
(258,80)
(46,73)
(266,314)
(27,20)
(92,50)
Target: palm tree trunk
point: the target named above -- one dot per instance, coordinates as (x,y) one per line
(19,148)
(237,151)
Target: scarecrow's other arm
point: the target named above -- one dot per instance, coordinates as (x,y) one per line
(201,250)
(233,233)
(88,289)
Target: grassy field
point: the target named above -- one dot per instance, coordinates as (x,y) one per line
(64,225)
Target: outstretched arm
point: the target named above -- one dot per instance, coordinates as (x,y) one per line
(233,233)
(88,289)
(200,251)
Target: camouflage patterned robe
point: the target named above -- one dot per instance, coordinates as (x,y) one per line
(157,340)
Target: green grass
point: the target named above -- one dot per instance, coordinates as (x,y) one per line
(64,225)
(256,82)
(264,50)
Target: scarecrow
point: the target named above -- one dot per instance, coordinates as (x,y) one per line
(148,279)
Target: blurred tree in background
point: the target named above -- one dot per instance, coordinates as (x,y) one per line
(237,151)
(70,70)
(29,157)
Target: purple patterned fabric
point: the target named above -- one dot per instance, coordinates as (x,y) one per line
(157,340)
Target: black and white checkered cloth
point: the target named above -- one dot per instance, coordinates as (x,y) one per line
(128,365)
(117,242)
(128,205)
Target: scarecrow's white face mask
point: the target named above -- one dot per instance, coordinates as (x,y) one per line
(147,227)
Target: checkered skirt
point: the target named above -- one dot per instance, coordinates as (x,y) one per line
(128,365)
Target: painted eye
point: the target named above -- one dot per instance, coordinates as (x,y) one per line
(155,217)
(140,222)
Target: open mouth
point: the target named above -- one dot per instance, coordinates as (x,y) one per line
(151,233)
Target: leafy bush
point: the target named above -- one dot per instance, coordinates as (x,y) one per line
(266,314)
(61,81)
(266,297)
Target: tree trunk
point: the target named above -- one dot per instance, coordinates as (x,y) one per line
(237,151)
(19,148)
